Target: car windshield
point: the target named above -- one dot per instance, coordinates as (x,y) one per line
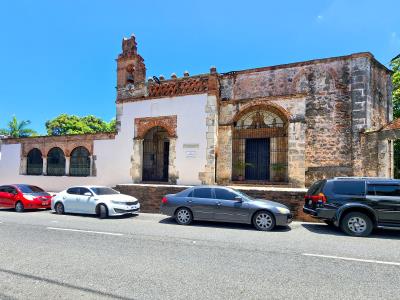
(29,189)
(243,194)
(103,191)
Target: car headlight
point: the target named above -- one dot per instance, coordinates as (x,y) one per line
(29,197)
(118,202)
(283,210)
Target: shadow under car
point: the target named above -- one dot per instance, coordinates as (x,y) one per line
(216,224)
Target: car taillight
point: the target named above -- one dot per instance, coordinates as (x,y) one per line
(164,200)
(320,198)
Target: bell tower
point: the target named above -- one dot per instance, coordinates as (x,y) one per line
(131,70)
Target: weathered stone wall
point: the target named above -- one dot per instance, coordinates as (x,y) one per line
(377,150)
(150,196)
(224,154)
(379,108)
(208,175)
(329,103)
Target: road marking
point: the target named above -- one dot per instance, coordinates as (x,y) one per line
(85,231)
(354,259)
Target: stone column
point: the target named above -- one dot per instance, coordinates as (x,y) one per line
(172,171)
(383,159)
(23,166)
(67,163)
(208,175)
(91,165)
(296,154)
(44,165)
(137,161)
(224,159)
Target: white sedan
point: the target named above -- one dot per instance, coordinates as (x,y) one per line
(96,200)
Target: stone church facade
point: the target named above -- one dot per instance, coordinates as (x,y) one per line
(285,125)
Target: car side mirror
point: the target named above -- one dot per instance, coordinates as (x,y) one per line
(88,194)
(238,199)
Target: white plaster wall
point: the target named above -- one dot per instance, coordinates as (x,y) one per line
(9,173)
(191,129)
(113,157)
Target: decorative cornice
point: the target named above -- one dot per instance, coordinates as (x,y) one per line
(60,138)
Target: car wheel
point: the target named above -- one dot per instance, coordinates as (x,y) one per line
(103,211)
(19,207)
(183,216)
(356,224)
(59,208)
(264,221)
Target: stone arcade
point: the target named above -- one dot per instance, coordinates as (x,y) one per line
(284,125)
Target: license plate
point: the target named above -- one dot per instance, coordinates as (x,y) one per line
(133,207)
(310,202)
(45,203)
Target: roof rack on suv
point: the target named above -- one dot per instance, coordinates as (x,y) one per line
(363,178)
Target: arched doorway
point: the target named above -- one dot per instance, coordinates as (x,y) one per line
(156,155)
(80,162)
(56,162)
(259,146)
(34,164)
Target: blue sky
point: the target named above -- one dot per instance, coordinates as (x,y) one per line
(59,56)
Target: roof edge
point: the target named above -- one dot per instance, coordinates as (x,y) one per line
(311,62)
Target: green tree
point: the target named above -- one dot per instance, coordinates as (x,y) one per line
(18,129)
(70,124)
(395,64)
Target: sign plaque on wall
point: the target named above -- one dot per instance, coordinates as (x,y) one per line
(191,150)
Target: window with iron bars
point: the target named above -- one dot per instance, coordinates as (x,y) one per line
(34,163)
(80,162)
(259,148)
(56,162)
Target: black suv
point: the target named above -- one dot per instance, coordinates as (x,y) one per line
(355,204)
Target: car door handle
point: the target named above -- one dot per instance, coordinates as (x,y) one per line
(219,203)
(189,201)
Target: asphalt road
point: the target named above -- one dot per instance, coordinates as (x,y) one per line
(47,256)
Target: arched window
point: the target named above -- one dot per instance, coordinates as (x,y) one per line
(80,162)
(259,146)
(34,164)
(56,162)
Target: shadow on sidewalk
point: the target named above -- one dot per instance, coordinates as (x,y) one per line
(333,230)
(209,224)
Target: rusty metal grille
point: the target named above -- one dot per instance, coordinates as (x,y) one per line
(80,162)
(155,155)
(259,153)
(55,162)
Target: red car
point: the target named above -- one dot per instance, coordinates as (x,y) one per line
(24,196)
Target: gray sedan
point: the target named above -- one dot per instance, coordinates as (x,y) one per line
(215,203)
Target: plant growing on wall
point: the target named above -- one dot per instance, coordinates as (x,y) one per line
(240,167)
(278,167)
(18,129)
(278,171)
